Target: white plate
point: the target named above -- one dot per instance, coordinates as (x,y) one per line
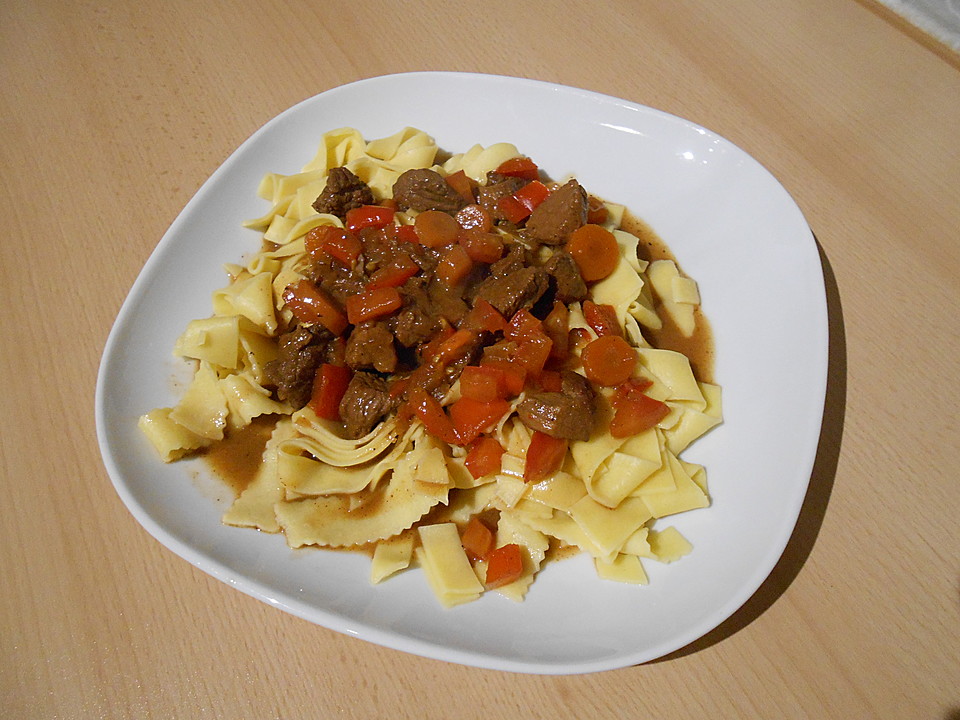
(733,228)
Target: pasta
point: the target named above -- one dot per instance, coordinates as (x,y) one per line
(455,357)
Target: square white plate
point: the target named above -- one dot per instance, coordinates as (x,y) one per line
(733,228)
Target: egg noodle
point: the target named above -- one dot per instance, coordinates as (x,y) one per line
(398,489)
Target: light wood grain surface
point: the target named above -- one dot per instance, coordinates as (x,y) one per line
(114,113)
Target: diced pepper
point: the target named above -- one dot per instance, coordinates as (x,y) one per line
(483,383)
(602,318)
(512,209)
(532,194)
(504,566)
(369,216)
(544,457)
(514,375)
(596,211)
(472,417)
(407,233)
(329,385)
(522,324)
(484,457)
(310,304)
(453,347)
(477,538)
(395,273)
(484,317)
(373,304)
(326,241)
(454,266)
(431,414)
(634,410)
(463,184)
(521,167)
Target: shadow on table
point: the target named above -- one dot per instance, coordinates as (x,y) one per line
(818,493)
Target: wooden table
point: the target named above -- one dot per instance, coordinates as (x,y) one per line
(113,115)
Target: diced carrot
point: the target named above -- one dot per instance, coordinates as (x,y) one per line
(394,274)
(523,323)
(483,457)
(310,304)
(463,184)
(454,266)
(431,414)
(609,360)
(475,217)
(453,347)
(477,538)
(602,318)
(328,241)
(514,375)
(369,216)
(329,385)
(504,566)
(373,304)
(472,417)
(595,250)
(436,229)
(544,456)
(484,317)
(483,383)
(481,246)
(521,167)
(533,351)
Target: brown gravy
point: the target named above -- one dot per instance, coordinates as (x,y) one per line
(699,346)
(236,458)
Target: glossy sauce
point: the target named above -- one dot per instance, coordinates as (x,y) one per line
(699,346)
(236,459)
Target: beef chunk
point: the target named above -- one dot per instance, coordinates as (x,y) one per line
(553,220)
(343,191)
(339,281)
(301,353)
(365,403)
(416,322)
(565,274)
(370,346)
(497,186)
(517,289)
(425,189)
(569,414)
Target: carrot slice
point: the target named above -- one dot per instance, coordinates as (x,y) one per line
(595,250)
(436,229)
(454,266)
(609,360)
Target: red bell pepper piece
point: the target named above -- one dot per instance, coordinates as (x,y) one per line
(369,216)
(544,457)
(329,385)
